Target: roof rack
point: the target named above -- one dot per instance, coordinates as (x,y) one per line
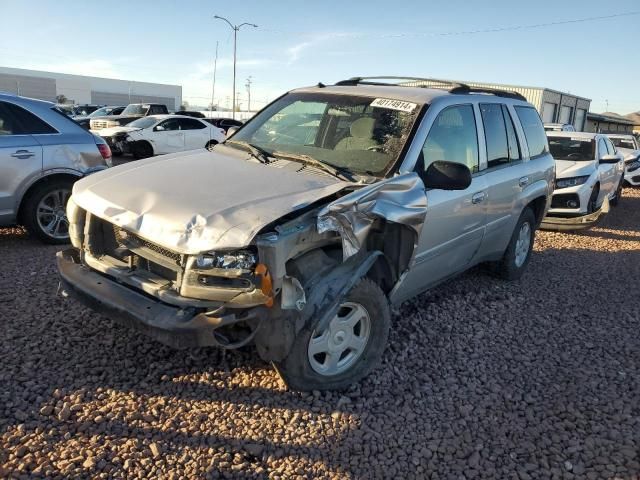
(453,87)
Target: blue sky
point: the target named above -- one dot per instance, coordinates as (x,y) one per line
(300,43)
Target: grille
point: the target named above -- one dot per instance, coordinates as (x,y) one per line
(98,124)
(560,201)
(122,236)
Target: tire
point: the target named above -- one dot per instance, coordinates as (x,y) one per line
(297,370)
(593,200)
(44,212)
(143,150)
(512,265)
(616,200)
(210,144)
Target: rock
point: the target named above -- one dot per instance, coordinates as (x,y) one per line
(155,449)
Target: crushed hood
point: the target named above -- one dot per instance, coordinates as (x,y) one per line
(198,201)
(569,168)
(109,132)
(628,153)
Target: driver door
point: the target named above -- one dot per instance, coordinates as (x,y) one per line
(455,221)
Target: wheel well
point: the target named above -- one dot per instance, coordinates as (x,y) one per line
(537,205)
(42,181)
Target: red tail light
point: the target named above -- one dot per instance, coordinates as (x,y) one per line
(105,151)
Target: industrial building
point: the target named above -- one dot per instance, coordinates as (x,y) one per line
(608,123)
(554,106)
(80,89)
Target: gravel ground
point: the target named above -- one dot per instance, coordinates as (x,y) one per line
(481,379)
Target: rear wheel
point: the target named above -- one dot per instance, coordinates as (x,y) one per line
(44,212)
(518,253)
(347,350)
(210,144)
(142,150)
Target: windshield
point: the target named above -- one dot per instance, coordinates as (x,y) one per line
(136,109)
(574,149)
(101,111)
(144,122)
(359,134)
(624,143)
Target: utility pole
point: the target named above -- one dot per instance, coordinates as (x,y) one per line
(213,88)
(248,85)
(235,29)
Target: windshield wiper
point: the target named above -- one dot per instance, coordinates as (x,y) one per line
(256,152)
(340,173)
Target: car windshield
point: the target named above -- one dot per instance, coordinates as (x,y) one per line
(623,143)
(144,122)
(136,109)
(356,133)
(101,111)
(574,149)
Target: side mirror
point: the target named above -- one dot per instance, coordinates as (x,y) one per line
(613,158)
(443,175)
(159,128)
(231,131)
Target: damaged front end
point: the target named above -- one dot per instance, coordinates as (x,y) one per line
(293,272)
(581,222)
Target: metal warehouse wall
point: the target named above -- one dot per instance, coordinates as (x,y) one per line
(108,98)
(41,88)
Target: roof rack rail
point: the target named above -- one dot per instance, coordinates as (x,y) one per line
(368,81)
(453,86)
(492,91)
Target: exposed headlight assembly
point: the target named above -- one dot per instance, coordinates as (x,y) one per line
(571,182)
(241,259)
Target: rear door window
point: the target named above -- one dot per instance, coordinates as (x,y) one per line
(190,124)
(19,121)
(514,144)
(495,133)
(533,131)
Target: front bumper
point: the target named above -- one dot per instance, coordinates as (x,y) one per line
(576,222)
(174,326)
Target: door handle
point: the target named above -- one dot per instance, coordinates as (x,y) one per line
(21,154)
(478,197)
(524,181)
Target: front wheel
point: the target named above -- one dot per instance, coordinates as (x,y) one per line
(142,150)
(347,350)
(44,212)
(615,201)
(518,253)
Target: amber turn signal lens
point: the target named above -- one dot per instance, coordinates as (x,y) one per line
(266,285)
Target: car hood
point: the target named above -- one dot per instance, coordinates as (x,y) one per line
(118,117)
(569,168)
(198,201)
(109,132)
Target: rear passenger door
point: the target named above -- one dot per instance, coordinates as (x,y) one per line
(505,174)
(454,225)
(20,155)
(195,133)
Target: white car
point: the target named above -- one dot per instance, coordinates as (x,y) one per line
(160,134)
(628,146)
(589,177)
(559,127)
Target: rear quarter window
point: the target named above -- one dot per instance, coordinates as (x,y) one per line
(533,131)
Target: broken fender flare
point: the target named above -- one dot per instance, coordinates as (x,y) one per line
(327,294)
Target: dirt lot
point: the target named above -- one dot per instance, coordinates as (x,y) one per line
(482,379)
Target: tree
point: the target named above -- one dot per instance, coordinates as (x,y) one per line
(61,98)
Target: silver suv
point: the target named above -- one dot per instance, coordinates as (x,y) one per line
(42,152)
(298,232)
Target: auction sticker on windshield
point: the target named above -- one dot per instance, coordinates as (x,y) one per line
(394,104)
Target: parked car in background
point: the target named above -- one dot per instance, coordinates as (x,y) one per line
(42,153)
(160,134)
(84,121)
(629,147)
(589,177)
(224,123)
(559,127)
(300,248)
(188,113)
(132,112)
(84,110)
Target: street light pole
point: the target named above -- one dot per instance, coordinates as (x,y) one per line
(235,29)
